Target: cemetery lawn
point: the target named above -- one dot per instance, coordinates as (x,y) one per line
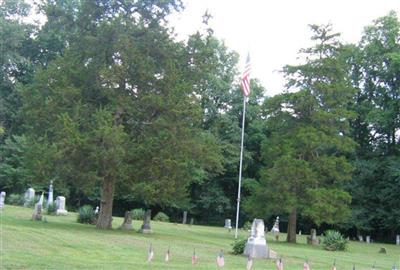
(62,243)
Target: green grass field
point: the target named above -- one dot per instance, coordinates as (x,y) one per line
(62,243)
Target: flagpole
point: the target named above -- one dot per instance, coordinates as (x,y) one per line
(240,168)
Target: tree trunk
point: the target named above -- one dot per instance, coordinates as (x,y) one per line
(291,229)
(107,196)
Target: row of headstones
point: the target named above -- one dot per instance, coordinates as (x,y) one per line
(37,214)
(146,227)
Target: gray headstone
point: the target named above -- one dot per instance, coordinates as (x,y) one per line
(275,229)
(50,199)
(146,228)
(2,199)
(127,224)
(256,246)
(312,239)
(184,217)
(360,238)
(368,239)
(382,250)
(60,205)
(191,221)
(228,224)
(397,239)
(37,214)
(29,196)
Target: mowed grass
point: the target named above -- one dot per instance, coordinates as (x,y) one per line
(62,243)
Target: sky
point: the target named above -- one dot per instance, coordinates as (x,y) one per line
(273,31)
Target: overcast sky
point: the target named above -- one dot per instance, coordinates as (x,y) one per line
(274,31)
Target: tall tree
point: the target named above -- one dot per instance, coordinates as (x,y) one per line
(117,107)
(305,154)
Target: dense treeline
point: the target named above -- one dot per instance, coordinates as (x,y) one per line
(105,102)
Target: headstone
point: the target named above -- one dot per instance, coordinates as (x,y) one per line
(312,239)
(191,221)
(96,211)
(300,232)
(127,224)
(275,229)
(256,246)
(360,238)
(184,217)
(146,228)
(397,240)
(29,196)
(60,205)
(37,214)
(228,224)
(50,199)
(382,250)
(368,239)
(2,199)
(41,199)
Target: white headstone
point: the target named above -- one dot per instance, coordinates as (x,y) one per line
(41,200)
(2,199)
(397,239)
(60,204)
(360,238)
(256,245)
(50,197)
(368,239)
(29,196)
(96,211)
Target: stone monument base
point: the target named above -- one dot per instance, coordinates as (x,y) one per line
(146,231)
(61,212)
(256,248)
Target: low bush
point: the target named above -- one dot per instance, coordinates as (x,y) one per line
(86,215)
(334,240)
(51,209)
(15,199)
(238,246)
(161,217)
(247,226)
(137,213)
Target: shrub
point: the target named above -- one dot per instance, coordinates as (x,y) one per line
(15,199)
(247,225)
(161,217)
(334,240)
(137,213)
(52,209)
(238,246)
(86,215)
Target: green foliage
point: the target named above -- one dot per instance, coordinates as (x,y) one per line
(334,241)
(138,213)
(161,217)
(238,246)
(306,151)
(15,199)
(247,226)
(52,209)
(86,215)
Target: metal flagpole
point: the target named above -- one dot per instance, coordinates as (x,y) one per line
(240,168)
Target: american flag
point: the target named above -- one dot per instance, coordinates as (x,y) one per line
(279,264)
(306,266)
(246,77)
(195,258)
(220,259)
(167,255)
(151,254)
(249,263)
